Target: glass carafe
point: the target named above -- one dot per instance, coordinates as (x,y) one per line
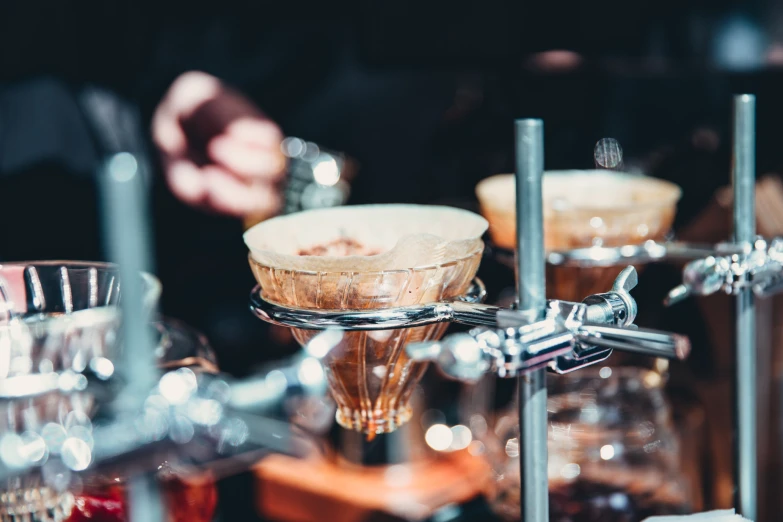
(614,452)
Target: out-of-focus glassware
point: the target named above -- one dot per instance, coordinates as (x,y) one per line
(614,451)
(45,289)
(189,494)
(58,319)
(370,376)
(582,209)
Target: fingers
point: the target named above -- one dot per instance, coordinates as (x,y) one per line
(250,147)
(186,181)
(190,91)
(215,189)
(256,131)
(186,94)
(201,118)
(167,134)
(246,159)
(201,114)
(229,195)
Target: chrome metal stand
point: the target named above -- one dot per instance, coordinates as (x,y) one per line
(127,235)
(747,267)
(531,293)
(521,342)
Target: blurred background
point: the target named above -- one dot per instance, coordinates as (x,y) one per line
(421,96)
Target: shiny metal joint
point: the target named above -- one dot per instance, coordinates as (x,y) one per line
(569,337)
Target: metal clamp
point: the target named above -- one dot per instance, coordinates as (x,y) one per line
(571,336)
(757,266)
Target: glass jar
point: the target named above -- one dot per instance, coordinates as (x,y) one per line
(614,453)
(188,496)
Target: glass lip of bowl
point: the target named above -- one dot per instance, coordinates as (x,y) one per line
(585,206)
(588,430)
(478,252)
(592,372)
(154,288)
(88,317)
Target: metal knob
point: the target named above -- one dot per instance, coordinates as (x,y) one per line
(616,306)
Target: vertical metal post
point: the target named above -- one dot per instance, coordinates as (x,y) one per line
(531,290)
(743,181)
(127,237)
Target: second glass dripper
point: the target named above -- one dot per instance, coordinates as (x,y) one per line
(584,209)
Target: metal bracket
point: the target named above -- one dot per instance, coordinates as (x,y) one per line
(757,266)
(569,337)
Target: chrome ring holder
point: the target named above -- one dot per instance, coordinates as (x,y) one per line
(466,309)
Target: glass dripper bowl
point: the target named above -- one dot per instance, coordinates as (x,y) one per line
(57,319)
(371,377)
(582,209)
(422,255)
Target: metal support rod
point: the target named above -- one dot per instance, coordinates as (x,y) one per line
(743,181)
(531,290)
(128,243)
(127,237)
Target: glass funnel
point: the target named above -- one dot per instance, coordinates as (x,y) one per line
(584,209)
(371,378)
(415,255)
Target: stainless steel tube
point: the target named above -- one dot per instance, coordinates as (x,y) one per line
(531,290)
(743,181)
(127,236)
(640,340)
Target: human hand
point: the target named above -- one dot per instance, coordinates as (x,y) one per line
(219,151)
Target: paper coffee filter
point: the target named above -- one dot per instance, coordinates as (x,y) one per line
(585,208)
(582,189)
(408,236)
